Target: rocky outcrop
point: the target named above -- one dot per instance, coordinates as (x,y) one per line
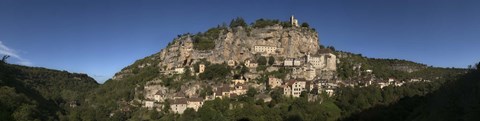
(236,44)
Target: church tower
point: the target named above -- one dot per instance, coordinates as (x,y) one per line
(293,21)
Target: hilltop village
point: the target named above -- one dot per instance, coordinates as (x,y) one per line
(267,70)
(260,61)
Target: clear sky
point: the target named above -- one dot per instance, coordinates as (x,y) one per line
(100,37)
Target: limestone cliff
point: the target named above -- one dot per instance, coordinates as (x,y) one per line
(236,44)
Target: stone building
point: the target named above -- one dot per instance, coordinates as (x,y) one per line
(222,91)
(309,73)
(250,63)
(231,63)
(194,103)
(201,68)
(240,89)
(149,104)
(179,70)
(330,61)
(295,88)
(178,105)
(238,81)
(291,62)
(274,82)
(265,49)
(324,61)
(293,21)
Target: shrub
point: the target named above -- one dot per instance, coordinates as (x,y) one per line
(238,22)
(271,60)
(261,23)
(215,72)
(262,60)
(305,24)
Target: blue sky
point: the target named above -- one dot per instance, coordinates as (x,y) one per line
(100,37)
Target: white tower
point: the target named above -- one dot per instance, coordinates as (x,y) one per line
(293,21)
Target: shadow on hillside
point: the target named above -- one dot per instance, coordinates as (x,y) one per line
(398,111)
(455,100)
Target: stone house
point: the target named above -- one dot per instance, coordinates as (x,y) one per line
(231,63)
(201,68)
(178,95)
(295,87)
(317,62)
(265,49)
(287,90)
(194,103)
(309,72)
(222,91)
(179,70)
(149,104)
(238,81)
(330,92)
(250,63)
(274,82)
(330,62)
(240,89)
(325,61)
(178,105)
(292,62)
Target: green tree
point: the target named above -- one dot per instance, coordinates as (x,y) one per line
(478,66)
(251,92)
(188,115)
(271,60)
(305,24)
(4,58)
(203,43)
(262,60)
(238,22)
(286,24)
(25,112)
(261,23)
(215,72)
(209,114)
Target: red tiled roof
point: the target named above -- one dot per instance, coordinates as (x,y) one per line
(290,82)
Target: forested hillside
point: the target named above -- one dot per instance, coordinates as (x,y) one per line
(32,93)
(457,99)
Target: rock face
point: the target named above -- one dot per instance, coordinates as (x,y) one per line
(238,44)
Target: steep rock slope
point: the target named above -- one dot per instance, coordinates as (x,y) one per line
(236,44)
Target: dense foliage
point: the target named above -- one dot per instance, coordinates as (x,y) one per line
(262,60)
(238,22)
(247,108)
(262,23)
(215,72)
(355,99)
(206,41)
(305,24)
(355,65)
(271,60)
(455,100)
(30,93)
